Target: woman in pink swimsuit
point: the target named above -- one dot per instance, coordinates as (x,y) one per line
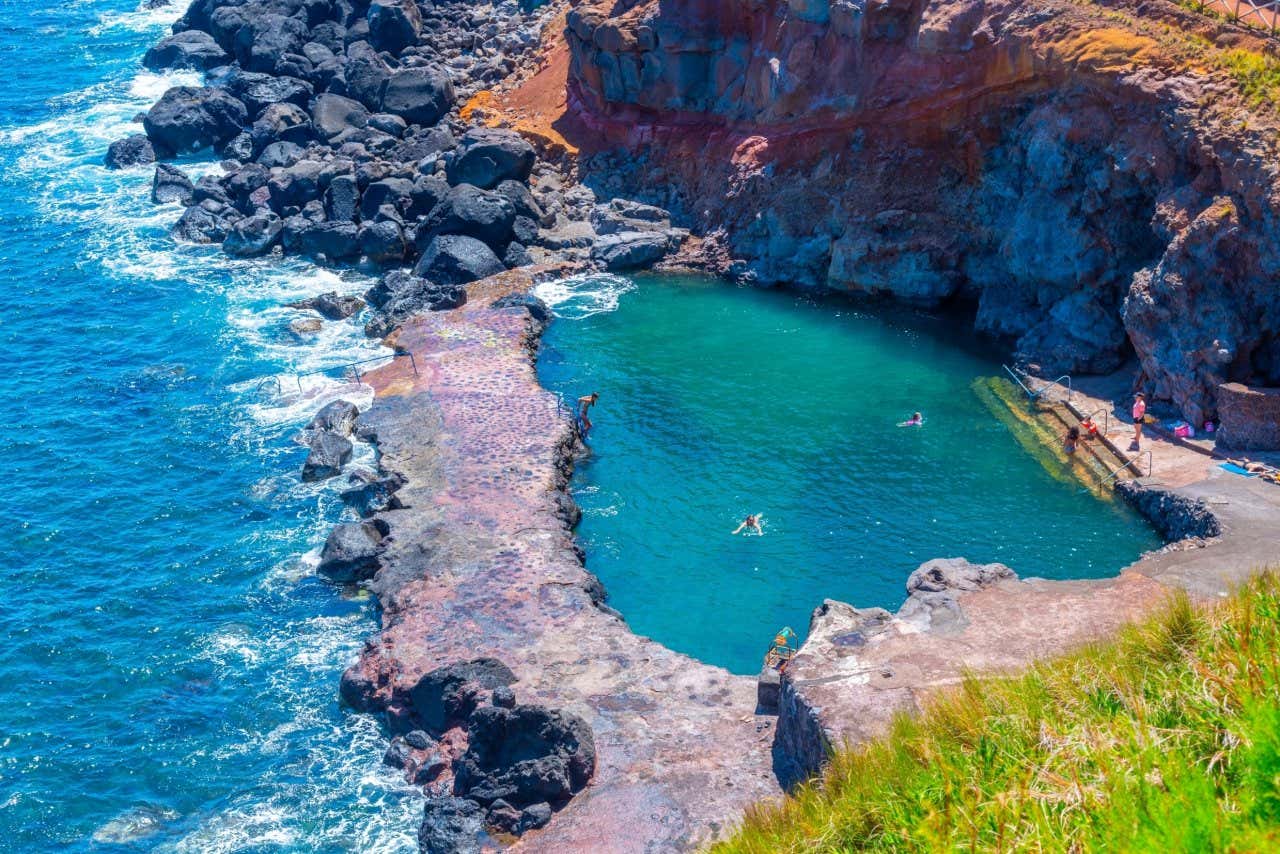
(1139,413)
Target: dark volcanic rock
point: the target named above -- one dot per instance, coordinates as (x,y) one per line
(394,24)
(400,294)
(468,210)
(259,91)
(333,306)
(281,154)
(188,119)
(266,39)
(170,184)
(629,250)
(338,417)
(1175,516)
(426,145)
(329,453)
(372,494)
(526,755)
(188,49)
(282,122)
(205,223)
(530,303)
(333,240)
(352,550)
(419,95)
(516,256)
(390,125)
(451,826)
(133,150)
(388,191)
(382,242)
(366,74)
(441,697)
(454,259)
(342,199)
(503,816)
(253,235)
(488,156)
(333,115)
(534,816)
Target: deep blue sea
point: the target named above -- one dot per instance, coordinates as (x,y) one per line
(170,663)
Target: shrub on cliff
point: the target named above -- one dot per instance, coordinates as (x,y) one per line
(1167,738)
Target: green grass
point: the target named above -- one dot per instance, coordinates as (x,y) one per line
(1257,75)
(1166,739)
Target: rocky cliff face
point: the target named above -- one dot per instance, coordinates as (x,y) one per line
(1092,182)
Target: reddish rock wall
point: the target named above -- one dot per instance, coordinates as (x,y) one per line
(1082,179)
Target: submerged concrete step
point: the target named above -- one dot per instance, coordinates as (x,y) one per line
(1038,427)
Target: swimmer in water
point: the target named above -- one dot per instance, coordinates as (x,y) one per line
(916,420)
(750,524)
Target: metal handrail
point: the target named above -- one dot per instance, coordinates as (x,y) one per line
(1035,394)
(1008,370)
(1127,464)
(1058,382)
(354,366)
(1106,419)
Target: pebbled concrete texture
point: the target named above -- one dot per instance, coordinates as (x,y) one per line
(482,562)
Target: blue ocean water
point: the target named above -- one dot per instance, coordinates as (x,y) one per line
(170,663)
(719,401)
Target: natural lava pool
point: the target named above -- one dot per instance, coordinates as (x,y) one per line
(718,401)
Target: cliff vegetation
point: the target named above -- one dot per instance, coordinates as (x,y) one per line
(1167,738)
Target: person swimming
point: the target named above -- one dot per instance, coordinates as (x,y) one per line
(751,523)
(916,420)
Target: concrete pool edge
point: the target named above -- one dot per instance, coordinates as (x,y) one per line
(482,562)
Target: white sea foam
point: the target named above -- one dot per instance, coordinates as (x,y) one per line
(142,19)
(577,297)
(326,789)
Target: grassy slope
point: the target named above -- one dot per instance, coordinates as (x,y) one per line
(1167,739)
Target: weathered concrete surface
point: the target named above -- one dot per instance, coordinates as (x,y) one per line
(481,562)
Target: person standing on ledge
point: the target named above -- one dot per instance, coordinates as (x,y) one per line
(585,403)
(1139,413)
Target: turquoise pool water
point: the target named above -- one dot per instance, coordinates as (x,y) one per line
(717,401)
